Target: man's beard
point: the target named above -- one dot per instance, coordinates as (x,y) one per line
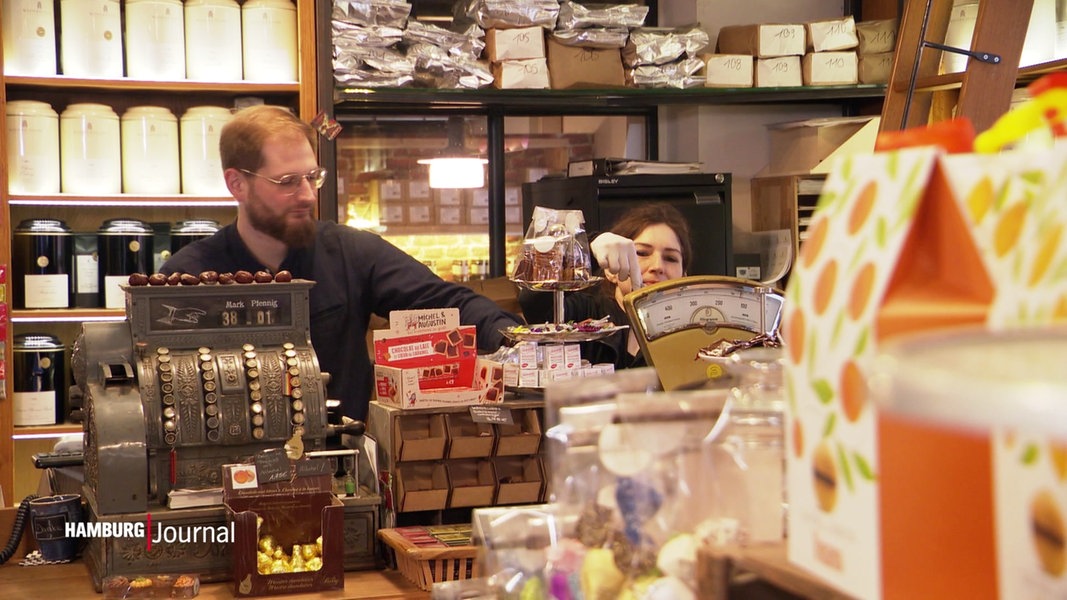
(292,234)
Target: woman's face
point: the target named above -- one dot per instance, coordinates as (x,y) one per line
(660,255)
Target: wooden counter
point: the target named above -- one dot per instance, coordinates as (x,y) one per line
(72,581)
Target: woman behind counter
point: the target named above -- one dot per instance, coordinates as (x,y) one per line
(660,237)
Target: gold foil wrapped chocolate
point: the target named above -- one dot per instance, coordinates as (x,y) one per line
(272,559)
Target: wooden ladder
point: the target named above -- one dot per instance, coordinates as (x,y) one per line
(916,94)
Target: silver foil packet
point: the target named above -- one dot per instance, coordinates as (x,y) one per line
(683,74)
(348,36)
(503,14)
(661,45)
(468,43)
(574,16)
(435,67)
(392,13)
(592,37)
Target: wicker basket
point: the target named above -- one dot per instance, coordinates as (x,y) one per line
(427,564)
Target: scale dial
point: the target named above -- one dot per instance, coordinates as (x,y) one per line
(708,305)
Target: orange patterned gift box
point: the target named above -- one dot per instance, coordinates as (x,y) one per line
(904,242)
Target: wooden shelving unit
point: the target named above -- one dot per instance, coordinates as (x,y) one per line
(86,213)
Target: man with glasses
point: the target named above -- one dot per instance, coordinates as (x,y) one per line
(271,170)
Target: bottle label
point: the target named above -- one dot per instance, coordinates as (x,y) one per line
(34,408)
(47,291)
(114,297)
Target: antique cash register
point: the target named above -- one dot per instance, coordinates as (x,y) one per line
(198,375)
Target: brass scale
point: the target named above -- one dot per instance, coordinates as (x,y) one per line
(674,320)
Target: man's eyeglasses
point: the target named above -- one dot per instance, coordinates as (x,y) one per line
(290,182)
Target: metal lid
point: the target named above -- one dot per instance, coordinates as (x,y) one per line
(33,342)
(195,227)
(42,227)
(125,227)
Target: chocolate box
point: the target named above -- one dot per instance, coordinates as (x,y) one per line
(400,387)
(299,511)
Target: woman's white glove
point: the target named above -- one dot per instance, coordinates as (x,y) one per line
(618,256)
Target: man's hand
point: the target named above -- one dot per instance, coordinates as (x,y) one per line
(617,256)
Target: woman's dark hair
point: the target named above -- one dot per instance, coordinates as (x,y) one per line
(637,219)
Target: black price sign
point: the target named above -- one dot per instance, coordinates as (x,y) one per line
(491,413)
(272,465)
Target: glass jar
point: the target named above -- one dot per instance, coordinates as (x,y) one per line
(150,151)
(753,442)
(155,40)
(90,150)
(33,148)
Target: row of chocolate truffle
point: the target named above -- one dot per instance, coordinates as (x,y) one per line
(210,278)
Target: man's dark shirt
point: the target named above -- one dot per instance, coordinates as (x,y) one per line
(356,274)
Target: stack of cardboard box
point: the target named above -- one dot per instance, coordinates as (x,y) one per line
(877,41)
(518,57)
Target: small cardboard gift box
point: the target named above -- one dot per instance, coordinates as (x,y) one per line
(832,34)
(781,71)
(830,68)
(298,519)
(530,73)
(904,242)
(580,67)
(400,387)
(766,40)
(514,44)
(876,37)
(426,359)
(431,341)
(728,70)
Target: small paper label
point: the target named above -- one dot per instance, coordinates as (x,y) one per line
(486,413)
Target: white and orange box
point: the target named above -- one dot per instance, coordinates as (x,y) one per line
(427,359)
(906,242)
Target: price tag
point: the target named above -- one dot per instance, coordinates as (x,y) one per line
(486,413)
(319,465)
(272,465)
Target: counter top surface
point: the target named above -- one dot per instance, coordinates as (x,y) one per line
(72,581)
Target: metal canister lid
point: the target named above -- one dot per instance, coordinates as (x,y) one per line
(125,227)
(36,342)
(42,227)
(30,108)
(195,227)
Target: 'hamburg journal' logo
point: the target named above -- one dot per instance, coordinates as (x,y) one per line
(168,534)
